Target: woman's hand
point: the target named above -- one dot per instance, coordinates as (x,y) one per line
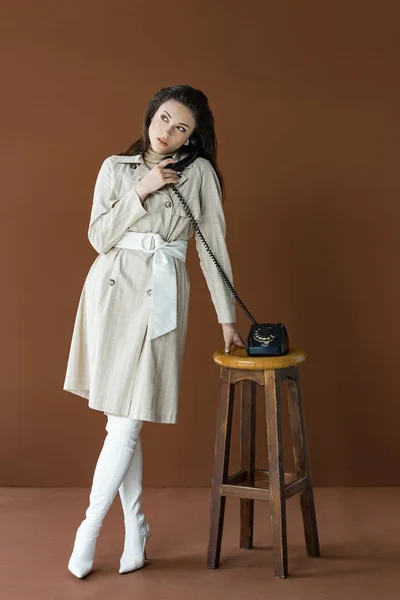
(231,336)
(156,178)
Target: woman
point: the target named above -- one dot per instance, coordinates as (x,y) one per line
(130,328)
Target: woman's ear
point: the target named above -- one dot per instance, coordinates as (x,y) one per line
(186,143)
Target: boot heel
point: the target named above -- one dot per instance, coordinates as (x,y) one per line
(128,564)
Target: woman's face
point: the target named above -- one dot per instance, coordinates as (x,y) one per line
(173,123)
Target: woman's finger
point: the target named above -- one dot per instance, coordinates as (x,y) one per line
(227,341)
(239,341)
(172,175)
(166,161)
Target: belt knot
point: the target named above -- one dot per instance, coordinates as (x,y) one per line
(163,317)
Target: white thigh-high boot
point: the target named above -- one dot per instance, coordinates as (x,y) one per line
(112,465)
(130,494)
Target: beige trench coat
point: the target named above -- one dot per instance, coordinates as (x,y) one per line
(112,363)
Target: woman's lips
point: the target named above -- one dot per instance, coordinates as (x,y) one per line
(162,142)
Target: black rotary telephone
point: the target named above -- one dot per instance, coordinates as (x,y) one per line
(264,339)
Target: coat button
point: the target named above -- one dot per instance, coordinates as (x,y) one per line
(112,281)
(168,203)
(149,292)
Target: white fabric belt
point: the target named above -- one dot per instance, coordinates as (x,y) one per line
(163,278)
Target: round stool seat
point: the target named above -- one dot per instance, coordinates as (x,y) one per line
(239,359)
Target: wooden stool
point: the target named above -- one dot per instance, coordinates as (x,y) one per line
(270,372)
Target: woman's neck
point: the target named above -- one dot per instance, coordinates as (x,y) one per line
(151,157)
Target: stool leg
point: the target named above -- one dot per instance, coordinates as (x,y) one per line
(301,460)
(247,458)
(221,465)
(276,473)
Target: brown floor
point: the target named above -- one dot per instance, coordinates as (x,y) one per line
(359,532)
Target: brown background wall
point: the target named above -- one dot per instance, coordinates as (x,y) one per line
(306,99)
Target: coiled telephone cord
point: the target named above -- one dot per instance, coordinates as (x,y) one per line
(223,275)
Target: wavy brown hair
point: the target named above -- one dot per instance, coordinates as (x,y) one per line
(197,102)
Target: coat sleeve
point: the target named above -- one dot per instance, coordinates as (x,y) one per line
(110,216)
(212,225)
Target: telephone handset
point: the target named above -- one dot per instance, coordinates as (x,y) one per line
(193,148)
(264,339)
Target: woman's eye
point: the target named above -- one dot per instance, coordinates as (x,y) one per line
(181,129)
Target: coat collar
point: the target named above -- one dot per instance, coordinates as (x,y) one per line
(142,167)
(138,158)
